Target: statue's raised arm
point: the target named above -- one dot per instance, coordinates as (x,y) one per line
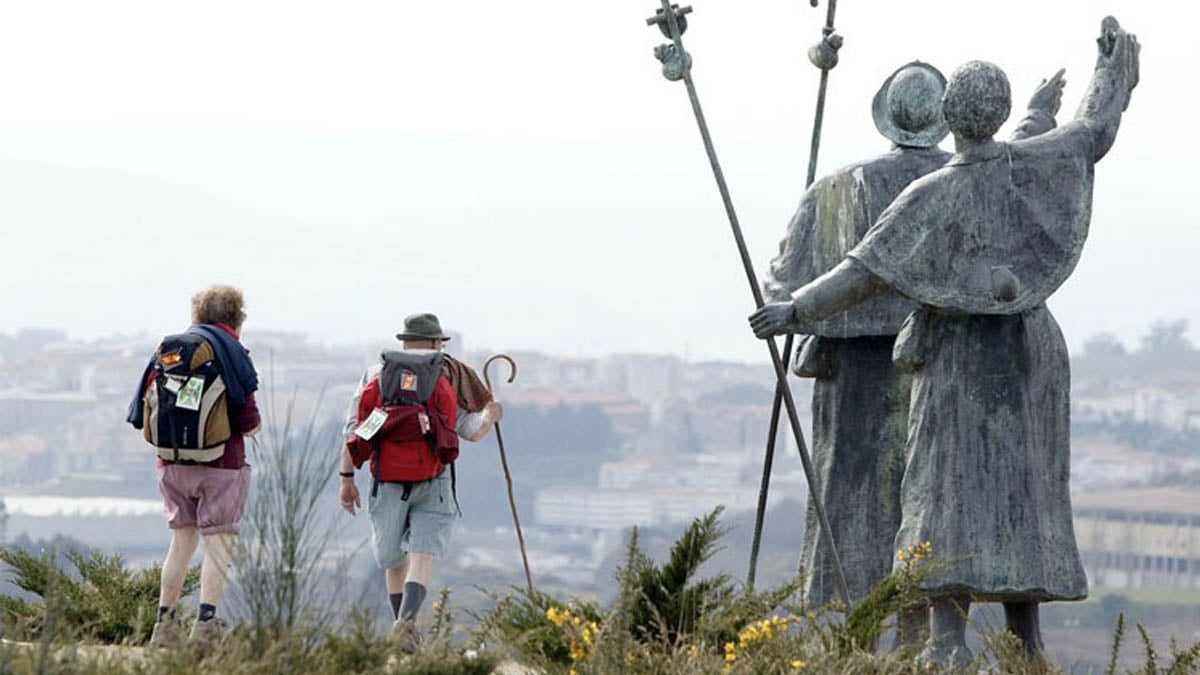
(1117,73)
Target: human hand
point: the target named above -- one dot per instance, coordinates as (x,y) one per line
(772,319)
(493,412)
(349,496)
(1048,95)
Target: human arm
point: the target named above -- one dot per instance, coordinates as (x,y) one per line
(352,412)
(843,287)
(348,492)
(246,418)
(474,426)
(1109,92)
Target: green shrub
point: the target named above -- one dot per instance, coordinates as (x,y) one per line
(98,599)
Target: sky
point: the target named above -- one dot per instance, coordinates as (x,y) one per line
(520,168)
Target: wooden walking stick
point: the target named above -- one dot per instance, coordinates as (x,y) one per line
(677,65)
(512,501)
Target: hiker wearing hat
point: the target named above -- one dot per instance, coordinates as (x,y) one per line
(405,420)
(860,400)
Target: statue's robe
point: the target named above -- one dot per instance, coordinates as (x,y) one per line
(860,401)
(981,244)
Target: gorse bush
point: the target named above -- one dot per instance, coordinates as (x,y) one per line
(97,597)
(356,648)
(665,620)
(521,623)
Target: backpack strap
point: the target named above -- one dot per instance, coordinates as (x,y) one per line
(375,466)
(160,374)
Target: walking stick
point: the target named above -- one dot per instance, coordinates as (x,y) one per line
(823,56)
(512,501)
(677,66)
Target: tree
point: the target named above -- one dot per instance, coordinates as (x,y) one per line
(1103,345)
(1167,338)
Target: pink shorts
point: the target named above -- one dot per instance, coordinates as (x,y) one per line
(206,497)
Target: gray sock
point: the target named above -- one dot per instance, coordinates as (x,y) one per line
(395,599)
(414,595)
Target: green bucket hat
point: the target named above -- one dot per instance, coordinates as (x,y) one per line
(422,327)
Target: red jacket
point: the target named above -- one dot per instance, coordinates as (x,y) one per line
(400,459)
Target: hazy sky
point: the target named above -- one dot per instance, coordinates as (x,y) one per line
(519,167)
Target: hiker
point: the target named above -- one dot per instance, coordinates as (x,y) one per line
(405,419)
(981,244)
(860,399)
(195,403)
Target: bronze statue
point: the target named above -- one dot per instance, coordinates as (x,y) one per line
(860,400)
(980,244)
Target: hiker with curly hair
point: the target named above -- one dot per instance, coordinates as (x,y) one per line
(195,403)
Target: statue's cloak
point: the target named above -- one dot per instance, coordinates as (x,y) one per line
(996,231)
(833,215)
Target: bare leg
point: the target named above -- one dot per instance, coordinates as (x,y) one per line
(183,546)
(416,582)
(947,644)
(420,569)
(1022,620)
(214,571)
(416,585)
(395,576)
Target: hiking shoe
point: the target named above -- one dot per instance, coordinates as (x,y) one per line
(167,632)
(406,636)
(206,634)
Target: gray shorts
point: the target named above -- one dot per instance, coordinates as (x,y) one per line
(206,497)
(423,523)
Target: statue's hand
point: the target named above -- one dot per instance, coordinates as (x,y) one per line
(1120,53)
(1048,95)
(772,319)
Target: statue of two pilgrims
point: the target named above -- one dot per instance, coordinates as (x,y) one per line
(941,404)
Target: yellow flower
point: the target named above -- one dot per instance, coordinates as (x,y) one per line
(797,664)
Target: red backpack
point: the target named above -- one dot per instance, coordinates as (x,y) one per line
(403,428)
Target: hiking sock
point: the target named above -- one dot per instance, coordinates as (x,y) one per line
(414,595)
(166,613)
(207,612)
(395,599)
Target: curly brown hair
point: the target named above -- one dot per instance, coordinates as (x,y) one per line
(219,304)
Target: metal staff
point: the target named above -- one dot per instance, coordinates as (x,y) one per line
(824,56)
(512,501)
(677,66)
